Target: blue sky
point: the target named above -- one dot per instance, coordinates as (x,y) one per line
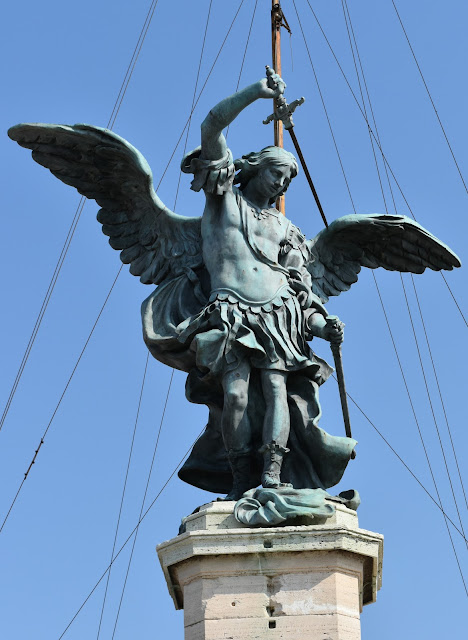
(65,63)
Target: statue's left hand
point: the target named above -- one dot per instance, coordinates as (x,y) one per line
(333,330)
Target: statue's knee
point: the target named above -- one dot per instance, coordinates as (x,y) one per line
(236,398)
(275,386)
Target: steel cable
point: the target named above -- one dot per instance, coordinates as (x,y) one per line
(129,537)
(344,7)
(345,4)
(412,277)
(350,31)
(172,372)
(179,465)
(77,215)
(352,38)
(61,398)
(45,304)
(193,98)
(378,291)
(132,64)
(376,140)
(132,442)
(407,467)
(438,504)
(430,97)
(243,57)
(454,299)
(416,341)
(143,503)
(120,269)
(372,425)
(325,109)
(434,369)
(421,437)
(201,91)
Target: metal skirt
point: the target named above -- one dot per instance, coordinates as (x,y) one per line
(230,330)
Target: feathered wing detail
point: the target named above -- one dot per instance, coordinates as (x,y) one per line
(396,243)
(157,243)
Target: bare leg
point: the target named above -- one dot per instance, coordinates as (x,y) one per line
(236,429)
(275,427)
(235,422)
(276,423)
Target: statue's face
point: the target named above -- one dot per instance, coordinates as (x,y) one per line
(273,178)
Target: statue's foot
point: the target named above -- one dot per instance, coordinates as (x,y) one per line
(239,460)
(272,481)
(235,494)
(273,459)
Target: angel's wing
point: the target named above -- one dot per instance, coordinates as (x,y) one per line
(157,243)
(396,243)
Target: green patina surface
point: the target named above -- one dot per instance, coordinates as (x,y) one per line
(240,293)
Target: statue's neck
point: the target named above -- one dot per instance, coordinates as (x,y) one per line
(253,195)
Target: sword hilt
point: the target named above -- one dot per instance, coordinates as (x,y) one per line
(283,110)
(269,74)
(334,321)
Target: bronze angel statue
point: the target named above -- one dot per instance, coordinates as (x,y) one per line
(240,291)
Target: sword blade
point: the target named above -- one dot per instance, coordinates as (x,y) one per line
(307,175)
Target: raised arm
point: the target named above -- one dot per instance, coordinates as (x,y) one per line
(212,139)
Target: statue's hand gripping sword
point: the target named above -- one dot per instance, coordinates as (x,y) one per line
(283,111)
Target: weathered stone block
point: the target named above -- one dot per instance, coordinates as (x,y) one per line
(292,582)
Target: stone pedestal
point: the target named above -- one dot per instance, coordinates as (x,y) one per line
(290,582)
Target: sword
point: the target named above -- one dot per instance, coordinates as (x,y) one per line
(332,321)
(283,111)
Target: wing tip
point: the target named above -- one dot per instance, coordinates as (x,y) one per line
(15,131)
(456,262)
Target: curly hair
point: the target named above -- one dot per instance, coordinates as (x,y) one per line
(248,165)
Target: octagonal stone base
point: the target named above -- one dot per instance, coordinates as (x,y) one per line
(290,582)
